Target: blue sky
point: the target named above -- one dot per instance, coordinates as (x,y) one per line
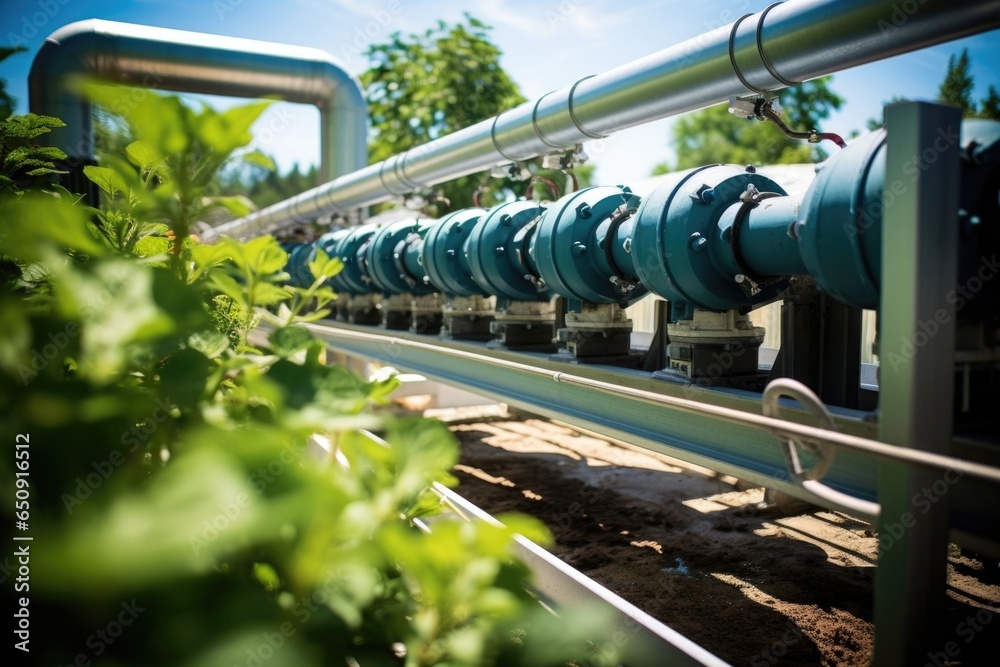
(547,44)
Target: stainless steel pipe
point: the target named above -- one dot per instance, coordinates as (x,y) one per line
(196,63)
(785,44)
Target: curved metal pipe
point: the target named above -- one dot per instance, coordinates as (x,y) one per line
(193,62)
(785,44)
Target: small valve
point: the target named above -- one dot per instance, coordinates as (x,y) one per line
(515,171)
(567,160)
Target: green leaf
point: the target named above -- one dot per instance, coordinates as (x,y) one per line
(267,576)
(258,258)
(42,171)
(26,155)
(211,343)
(259,159)
(205,257)
(160,121)
(151,246)
(225,284)
(37,225)
(286,341)
(143,155)
(324,265)
(121,305)
(106,179)
(238,205)
(266,294)
(29,126)
(62,193)
(184,376)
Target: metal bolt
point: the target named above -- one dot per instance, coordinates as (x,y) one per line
(751,169)
(706,195)
(583,211)
(579,248)
(505,219)
(457,228)
(739,278)
(698,242)
(627,245)
(974,220)
(499,250)
(450,254)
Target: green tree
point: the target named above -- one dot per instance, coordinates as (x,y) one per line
(423,86)
(990,106)
(958,84)
(7,102)
(714,135)
(265,186)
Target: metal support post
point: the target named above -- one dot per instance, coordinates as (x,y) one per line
(919,269)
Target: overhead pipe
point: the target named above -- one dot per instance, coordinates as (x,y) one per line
(193,62)
(783,45)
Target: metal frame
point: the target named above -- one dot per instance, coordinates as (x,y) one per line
(720,429)
(642,640)
(920,268)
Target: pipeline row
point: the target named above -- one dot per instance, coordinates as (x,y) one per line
(715,242)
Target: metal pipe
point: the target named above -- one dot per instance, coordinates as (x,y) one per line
(196,63)
(785,44)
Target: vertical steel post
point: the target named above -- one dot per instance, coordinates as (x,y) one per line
(919,270)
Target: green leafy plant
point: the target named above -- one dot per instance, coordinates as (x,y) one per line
(225,503)
(21,156)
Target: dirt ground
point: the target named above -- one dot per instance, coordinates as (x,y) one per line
(751,585)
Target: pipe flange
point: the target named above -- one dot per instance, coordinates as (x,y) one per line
(444,253)
(493,258)
(677,239)
(386,254)
(352,249)
(571,247)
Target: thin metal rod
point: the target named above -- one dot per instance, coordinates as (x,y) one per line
(786,43)
(873,448)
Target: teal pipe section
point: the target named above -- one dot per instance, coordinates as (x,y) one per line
(353,252)
(328,243)
(498,252)
(719,237)
(621,247)
(766,240)
(445,253)
(570,247)
(673,250)
(390,266)
(840,235)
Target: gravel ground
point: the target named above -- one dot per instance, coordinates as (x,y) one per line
(754,586)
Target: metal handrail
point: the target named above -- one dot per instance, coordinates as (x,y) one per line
(872,448)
